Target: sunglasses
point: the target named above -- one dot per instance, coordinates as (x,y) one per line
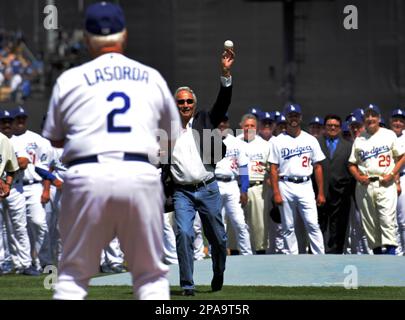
(183,101)
(330,125)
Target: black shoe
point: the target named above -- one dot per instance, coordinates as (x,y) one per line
(260,251)
(30,271)
(217,282)
(234,252)
(188,292)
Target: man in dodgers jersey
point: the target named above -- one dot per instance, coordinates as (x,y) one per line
(106,114)
(234,164)
(13,207)
(294,156)
(257,150)
(36,189)
(397,124)
(372,163)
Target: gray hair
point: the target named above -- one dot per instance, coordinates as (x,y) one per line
(97,42)
(186,89)
(248,116)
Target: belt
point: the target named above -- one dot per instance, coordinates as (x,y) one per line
(255,183)
(29,182)
(195,186)
(373,179)
(295,179)
(401,174)
(94,158)
(225,178)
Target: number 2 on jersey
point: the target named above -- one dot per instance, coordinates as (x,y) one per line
(305,161)
(384,161)
(110,117)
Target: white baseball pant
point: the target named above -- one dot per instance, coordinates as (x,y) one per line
(14,213)
(299,198)
(401,217)
(94,210)
(378,205)
(231,208)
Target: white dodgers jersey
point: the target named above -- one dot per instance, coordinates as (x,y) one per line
(295,156)
(257,151)
(234,158)
(374,154)
(39,151)
(111,104)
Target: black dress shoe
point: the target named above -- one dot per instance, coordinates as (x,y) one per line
(188,292)
(217,282)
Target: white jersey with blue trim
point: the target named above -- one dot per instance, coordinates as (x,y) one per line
(111,104)
(234,158)
(257,151)
(39,151)
(295,156)
(374,154)
(20,152)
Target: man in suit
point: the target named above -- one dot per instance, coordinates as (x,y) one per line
(192,166)
(338,185)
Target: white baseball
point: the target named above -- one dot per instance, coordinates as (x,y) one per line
(228,44)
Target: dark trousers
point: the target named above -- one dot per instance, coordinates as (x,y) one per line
(334,216)
(207,201)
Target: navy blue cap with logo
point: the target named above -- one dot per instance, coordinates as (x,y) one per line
(255,111)
(292,108)
(353,119)
(4,114)
(398,113)
(104,18)
(281,119)
(267,117)
(19,112)
(317,120)
(374,108)
(345,126)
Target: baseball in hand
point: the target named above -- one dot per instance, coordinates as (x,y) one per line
(228,44)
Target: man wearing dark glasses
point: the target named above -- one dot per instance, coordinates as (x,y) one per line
(192,170)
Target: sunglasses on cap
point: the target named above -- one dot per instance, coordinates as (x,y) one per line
(183,101)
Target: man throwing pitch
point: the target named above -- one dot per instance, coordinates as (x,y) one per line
(105,114)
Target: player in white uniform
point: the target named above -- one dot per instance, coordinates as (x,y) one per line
(13,207)
(257,150)
(106,113)
(294,156)
(36,189)
(9,165)
(234,164)
(372,163)
(397,124)
(356,239)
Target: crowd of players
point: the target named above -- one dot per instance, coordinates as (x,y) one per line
(29,237)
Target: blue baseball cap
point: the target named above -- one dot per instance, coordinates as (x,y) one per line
(358,113)
(267,116)
(372,107)
(398,113)
(255,111)
(291,108)
(317,120)
(104,18)
(354,119)
(4,114)
(19,112)
(281,119)
(345,126)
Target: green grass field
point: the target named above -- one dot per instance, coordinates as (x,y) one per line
(18,287)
